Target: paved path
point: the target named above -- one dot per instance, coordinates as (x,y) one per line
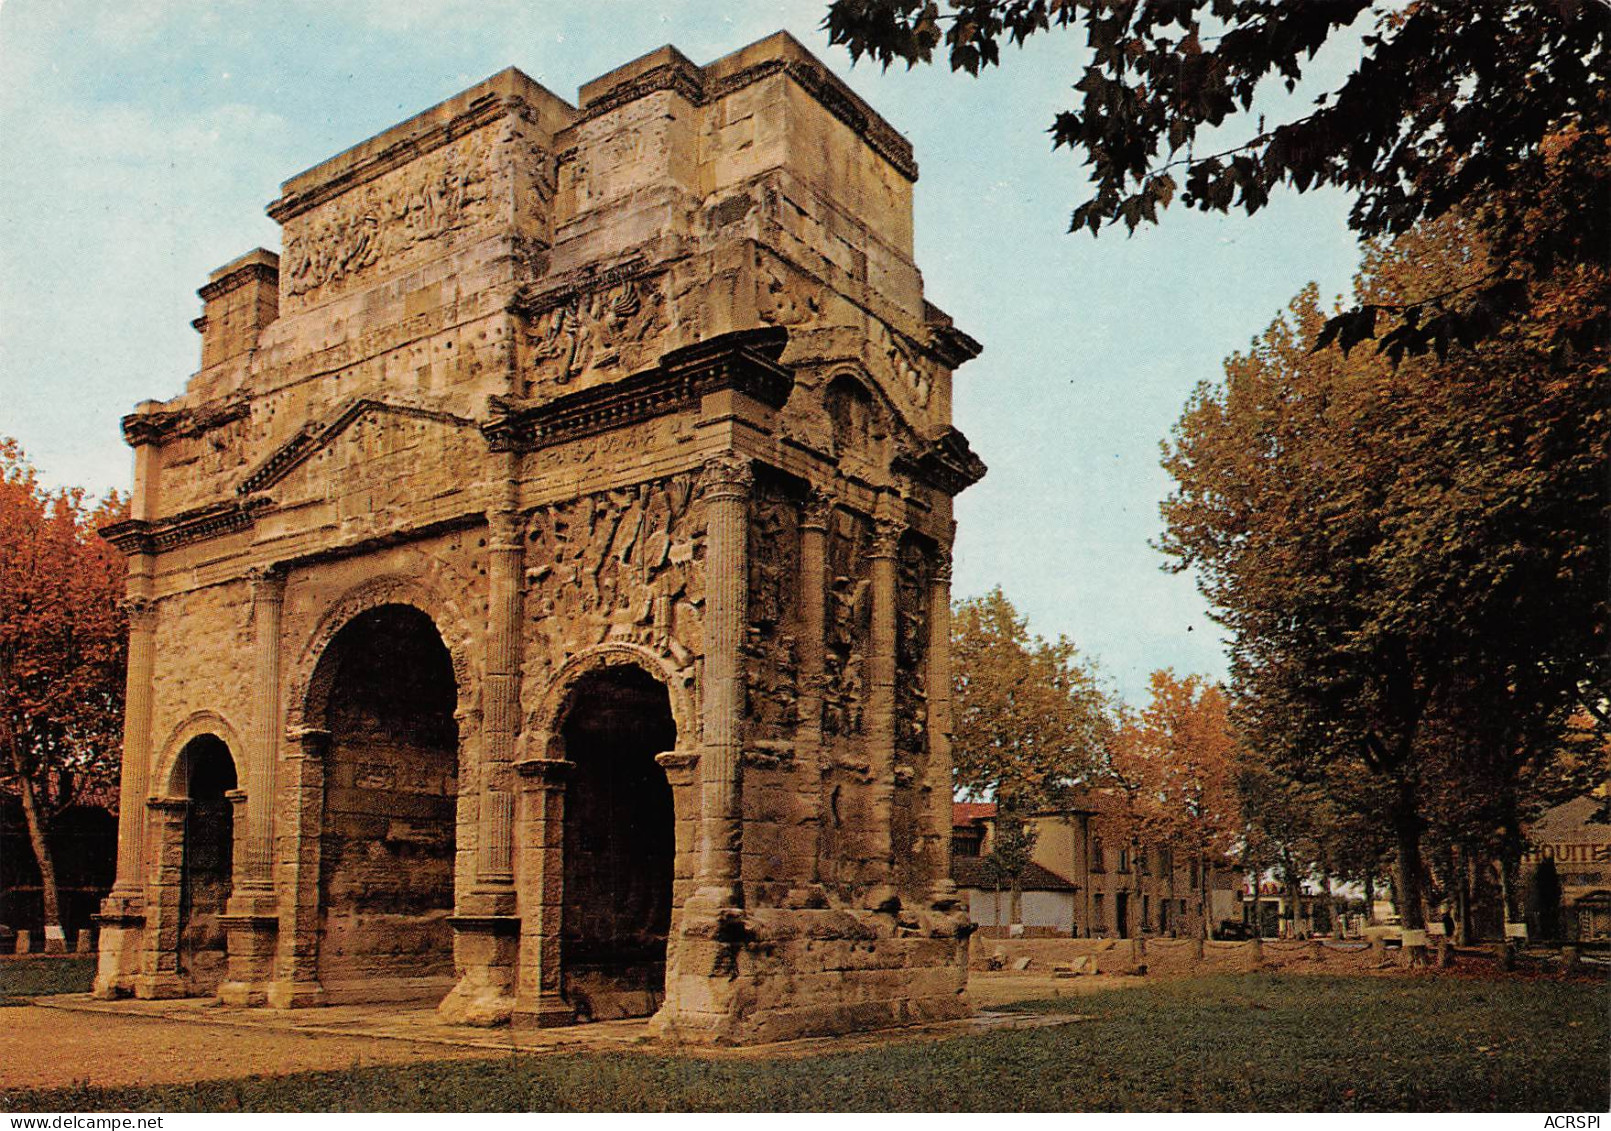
(73,1038)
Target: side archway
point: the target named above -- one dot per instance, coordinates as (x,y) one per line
(610,715)
(195,835)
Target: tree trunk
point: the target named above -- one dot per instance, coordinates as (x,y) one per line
(1017,906)
(1408,871)
(1205,894)
(1294,897)
(49,892)
(1370,898)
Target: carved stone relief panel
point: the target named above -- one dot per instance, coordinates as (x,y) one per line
(786,297)
(913,571)
(398,219)
(621,565)
(771,634)
(912,380)
(848,623)
(610,328)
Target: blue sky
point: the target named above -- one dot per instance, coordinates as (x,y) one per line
(142,140)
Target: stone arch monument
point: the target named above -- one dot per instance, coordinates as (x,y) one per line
(563,517)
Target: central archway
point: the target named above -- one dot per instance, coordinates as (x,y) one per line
(619,844)
(391,786)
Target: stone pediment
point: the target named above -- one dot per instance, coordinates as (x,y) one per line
(318,434)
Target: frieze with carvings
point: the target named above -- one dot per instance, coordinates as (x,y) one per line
(848,621)
(771,653)
(393,218)
(622,565)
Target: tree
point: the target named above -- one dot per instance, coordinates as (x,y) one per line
(1177,757)
(1452,107)
(63,637)
(1401,552)
(1012,848)
(1028,718)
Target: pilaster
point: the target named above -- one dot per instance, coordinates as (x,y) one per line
(122,916)
(814,518)
(541,833)
(296,960)
(159,953)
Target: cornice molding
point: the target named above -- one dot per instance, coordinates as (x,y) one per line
(141,536)
(947,463)
(141,428)
(745,361)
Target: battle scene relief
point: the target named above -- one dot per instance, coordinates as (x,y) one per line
(625,565)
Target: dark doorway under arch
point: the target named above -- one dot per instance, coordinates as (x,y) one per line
(209,862)
(619,845)
(391,787)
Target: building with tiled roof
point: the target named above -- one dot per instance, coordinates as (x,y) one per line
(1576,835)
(1088,877)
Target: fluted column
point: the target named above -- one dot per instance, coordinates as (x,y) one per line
(136,771)
(725,485)
(500,701)
(943,889)
(268,599)
(814,519)
(881,700)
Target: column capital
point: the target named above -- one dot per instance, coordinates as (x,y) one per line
(141,611)
(503,530)
(817,509)
(727,476)
(307,742)
(886,537)
(547,773)
(941,572)
(267,583)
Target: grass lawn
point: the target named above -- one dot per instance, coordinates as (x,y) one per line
(1238,1043)
(23,978)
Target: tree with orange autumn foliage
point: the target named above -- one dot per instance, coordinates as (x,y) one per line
(1410,559)
(63,642)
(1175,762)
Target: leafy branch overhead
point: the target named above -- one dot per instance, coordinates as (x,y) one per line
(1452,105)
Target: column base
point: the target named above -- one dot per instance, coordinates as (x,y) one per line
(122,923)
(159,987)
(548,1011)
(485,948)
(252,926)
(295,995)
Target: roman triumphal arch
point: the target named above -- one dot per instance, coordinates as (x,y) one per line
(539,597)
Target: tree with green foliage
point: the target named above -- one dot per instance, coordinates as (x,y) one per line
(1452,107)
(1029,718)
(1012,848)
(1401,551)
(1029,721)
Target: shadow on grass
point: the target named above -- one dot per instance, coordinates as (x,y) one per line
(24,978)
(1228,1043)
